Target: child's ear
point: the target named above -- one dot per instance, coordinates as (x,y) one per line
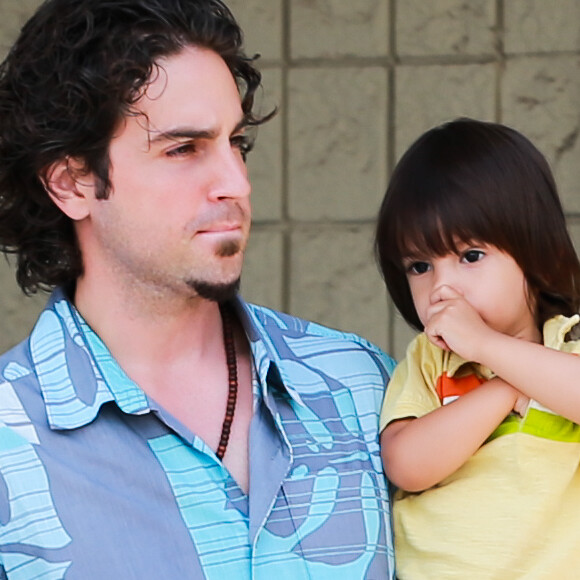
(70,187)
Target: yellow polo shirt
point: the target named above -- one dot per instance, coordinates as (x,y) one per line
(513,509)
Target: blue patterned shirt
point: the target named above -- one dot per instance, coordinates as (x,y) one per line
(98,482)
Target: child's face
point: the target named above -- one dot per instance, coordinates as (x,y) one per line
(487,278)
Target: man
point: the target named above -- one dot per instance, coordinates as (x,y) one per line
(154,425)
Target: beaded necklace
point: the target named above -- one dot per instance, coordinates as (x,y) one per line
(231,360)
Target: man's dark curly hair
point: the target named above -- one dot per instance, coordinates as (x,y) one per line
(69,80)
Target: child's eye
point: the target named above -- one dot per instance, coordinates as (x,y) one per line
(418,267)
(472,256)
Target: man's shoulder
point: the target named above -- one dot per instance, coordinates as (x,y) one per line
(294,325)
(19,389)
(15,357)
(17,364)
(273,323)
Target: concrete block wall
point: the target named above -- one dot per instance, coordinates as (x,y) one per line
(355,83)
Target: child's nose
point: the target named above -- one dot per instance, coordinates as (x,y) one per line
(444,292)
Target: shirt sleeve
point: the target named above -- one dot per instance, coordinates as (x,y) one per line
(412,389)
(555,331)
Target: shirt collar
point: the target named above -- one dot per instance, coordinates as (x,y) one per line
(78,374)
(455,363)
(267,332)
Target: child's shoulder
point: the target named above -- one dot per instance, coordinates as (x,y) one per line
(563,333)
(422,348)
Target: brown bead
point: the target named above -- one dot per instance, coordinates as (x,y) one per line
(232,364)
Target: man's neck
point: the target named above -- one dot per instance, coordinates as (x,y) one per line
(148,329)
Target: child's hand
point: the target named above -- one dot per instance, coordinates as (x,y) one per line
(453,324)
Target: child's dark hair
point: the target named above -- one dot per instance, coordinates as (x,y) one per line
(472,181)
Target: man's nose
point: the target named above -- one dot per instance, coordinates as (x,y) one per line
(230,175)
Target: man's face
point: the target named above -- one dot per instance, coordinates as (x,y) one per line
(178,216)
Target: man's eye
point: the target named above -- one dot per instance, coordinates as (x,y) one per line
(243,143)
(473,256)
(418,267)
(185,149)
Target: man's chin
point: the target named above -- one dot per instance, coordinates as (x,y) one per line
(216,292)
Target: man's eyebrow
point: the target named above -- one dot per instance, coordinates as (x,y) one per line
(188,133)
(180,133)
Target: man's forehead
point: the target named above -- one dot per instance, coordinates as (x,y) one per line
(193,92)
(188,65)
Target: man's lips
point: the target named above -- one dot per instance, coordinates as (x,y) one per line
(221,219)
(220,229)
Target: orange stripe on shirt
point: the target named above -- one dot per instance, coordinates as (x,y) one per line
(453,387)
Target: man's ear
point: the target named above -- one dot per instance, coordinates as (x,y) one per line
(70,187)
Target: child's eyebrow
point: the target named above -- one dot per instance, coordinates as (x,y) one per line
(414,254)
(409,259)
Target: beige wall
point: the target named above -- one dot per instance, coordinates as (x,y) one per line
(356,81)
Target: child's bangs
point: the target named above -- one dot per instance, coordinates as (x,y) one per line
(439,230)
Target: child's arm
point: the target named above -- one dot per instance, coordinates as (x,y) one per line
(419,453)
(549,376)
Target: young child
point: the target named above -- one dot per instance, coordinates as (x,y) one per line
(480,421)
